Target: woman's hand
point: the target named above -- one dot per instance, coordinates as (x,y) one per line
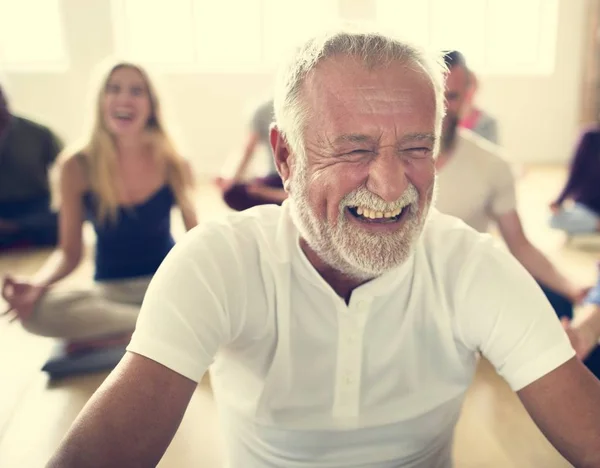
(21,296)
(582,339)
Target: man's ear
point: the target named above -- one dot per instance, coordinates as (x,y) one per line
(282,153)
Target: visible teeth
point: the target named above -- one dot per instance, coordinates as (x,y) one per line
(373,214)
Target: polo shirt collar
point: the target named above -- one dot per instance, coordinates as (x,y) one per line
(289,236)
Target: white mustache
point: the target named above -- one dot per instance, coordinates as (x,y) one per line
(363,197)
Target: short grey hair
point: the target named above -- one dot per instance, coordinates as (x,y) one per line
(374,49)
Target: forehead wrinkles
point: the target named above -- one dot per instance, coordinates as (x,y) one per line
(338,110)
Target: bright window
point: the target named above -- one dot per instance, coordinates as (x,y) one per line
(155,32)
(31,36)
(227,34)
(496,36)
(215,35)
(285,22)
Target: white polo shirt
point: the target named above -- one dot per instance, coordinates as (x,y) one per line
(304,380)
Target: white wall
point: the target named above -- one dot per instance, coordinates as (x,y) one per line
(538,115)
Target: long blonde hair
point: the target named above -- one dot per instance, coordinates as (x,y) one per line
(99,152)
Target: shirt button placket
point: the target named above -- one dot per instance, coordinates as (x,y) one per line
(349,361)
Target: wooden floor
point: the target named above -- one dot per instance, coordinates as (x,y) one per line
(494,430)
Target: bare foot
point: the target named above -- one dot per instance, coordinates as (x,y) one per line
(98,343)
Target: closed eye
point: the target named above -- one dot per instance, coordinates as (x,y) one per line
(360,151)
(417,152)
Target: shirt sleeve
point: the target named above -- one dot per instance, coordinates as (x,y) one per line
(504,198)
(504,314)
(593,296)
(488,129)
(261,120)
(184,317)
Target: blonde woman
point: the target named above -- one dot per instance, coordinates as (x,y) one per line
(125,180)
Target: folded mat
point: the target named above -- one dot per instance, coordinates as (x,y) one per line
(62,364)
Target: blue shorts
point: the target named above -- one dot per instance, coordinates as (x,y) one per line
(594,295)
(576,219)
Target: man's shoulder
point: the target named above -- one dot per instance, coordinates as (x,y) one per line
(441,225)
(591,132)
(30,126)
(450,248)
(449,239)
(475,146)
(254,230)
(25,123)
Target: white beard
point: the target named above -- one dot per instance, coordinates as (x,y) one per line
(347,248)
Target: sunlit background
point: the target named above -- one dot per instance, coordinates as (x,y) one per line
(216,59)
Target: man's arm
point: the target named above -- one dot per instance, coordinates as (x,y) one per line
(505,316)
(565,404)
(584,331)
(272,194)
(130,420)
(534,261)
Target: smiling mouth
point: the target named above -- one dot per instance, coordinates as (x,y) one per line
(367,215)
(123,116)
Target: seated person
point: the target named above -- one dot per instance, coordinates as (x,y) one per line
(27,151)
(582,189)
(125,180)
(342,328)
(475,118)
(240,195)
(476,184)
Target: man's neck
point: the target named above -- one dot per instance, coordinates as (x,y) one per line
(342,284)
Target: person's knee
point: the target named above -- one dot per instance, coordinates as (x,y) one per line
(561,220)
(237,197)
(47,318)
(572,223)
(34,324)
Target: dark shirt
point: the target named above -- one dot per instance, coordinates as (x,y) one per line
(27,151)
(136,243)
(583,184)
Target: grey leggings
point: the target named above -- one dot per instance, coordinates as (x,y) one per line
(104,309)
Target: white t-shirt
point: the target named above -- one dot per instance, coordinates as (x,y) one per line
(477,183)
(304,380)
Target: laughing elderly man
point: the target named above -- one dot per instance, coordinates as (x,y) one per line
(343,327)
